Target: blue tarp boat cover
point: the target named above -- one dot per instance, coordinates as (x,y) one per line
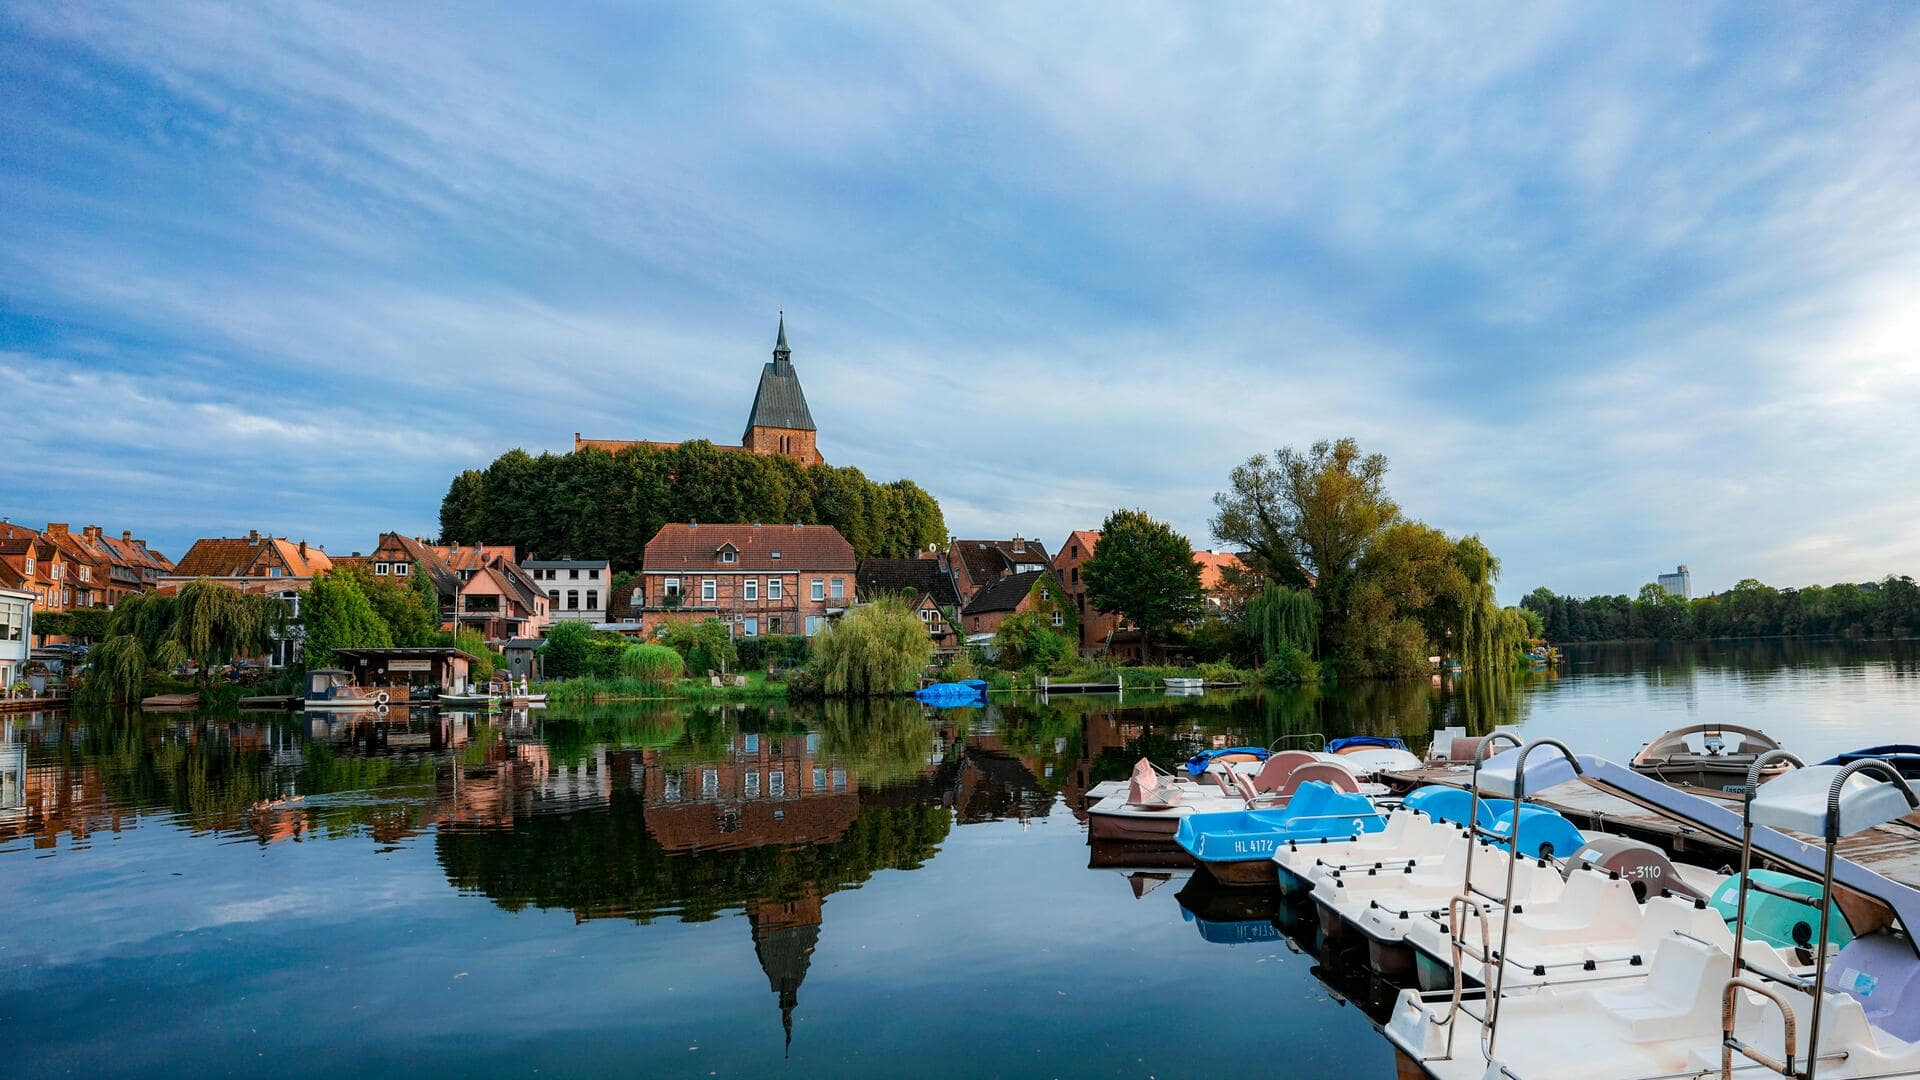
(1317,811)
(1379,742)
(1198,763)
(951,694)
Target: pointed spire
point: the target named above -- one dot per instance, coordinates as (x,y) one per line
(782,354)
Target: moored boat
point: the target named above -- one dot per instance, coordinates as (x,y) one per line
(333,688)
(1237,847)
(1702,756)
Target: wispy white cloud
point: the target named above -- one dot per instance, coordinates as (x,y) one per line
(1615,288)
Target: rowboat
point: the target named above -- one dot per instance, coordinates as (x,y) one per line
(1700,756)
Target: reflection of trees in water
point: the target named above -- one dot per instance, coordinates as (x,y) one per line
(604,863)
(1759,659)
(882,741)
(572,735)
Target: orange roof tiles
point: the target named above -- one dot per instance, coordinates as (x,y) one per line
(797,547)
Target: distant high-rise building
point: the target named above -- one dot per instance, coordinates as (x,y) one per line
(1679,583)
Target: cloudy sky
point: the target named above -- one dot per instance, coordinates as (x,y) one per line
(1614,287)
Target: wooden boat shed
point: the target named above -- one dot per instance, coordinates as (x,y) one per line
(426,665)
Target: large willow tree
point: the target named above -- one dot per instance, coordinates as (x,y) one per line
(205,623)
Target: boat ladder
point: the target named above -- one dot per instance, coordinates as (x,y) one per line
(1477,900)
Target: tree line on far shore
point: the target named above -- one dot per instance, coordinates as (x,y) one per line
(1886,608)
(592,503)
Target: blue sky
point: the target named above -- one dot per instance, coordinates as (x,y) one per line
(1614,286)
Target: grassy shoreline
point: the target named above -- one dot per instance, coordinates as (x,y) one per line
(589,689)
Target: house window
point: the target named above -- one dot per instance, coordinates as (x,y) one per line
(819,589)
(1075,574)
(673,787)
(773,588)
(750,743)
(593,599)
(573,575)
(750,626)
(773,624)
(839,589)
(29,564)
(709,591)
(728,555)
(839,779)
(709,783)
(573,599)
(1045,593)
(86,573)
(750,589)
(274,572)
(819,779)
(1059,619)
(777,784)
(671,587)
(753,784)
(813,625)
(402,569)
(380,569)
(553,598)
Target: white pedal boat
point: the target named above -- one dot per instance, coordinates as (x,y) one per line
(1666,1025)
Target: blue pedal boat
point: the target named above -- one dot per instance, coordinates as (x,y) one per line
(1236,847)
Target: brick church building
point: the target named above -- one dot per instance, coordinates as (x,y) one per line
(779,424)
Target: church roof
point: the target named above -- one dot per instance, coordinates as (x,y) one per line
(779,402)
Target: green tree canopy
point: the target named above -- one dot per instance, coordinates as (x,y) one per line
(593,503)
(336,614)
(1143,571)
(879,647)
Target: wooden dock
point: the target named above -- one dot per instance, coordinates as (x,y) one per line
(1891,850)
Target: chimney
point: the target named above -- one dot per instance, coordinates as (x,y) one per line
(303,549)
(127,534)
(56,528)
(253,536)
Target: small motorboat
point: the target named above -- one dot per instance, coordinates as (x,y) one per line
(333,688)
(1371,755)
(1184,684)
(1237,847)
(1710,756)
(1904,757)
(1225,757)
(951,695)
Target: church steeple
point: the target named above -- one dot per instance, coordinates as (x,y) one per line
(782,355)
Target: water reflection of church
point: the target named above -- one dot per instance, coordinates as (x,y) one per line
(766,824)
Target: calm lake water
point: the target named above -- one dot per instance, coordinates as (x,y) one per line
(728,891)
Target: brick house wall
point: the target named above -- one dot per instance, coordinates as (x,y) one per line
(759,579)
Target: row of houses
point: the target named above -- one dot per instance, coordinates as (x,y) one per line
(758,579)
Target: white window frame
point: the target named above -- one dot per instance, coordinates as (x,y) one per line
(402,569)
(1059,619)
(729,556)
(773,588)
(819,588)
(379,569)
(709,591)
(753,783)
(837,588)
(777,784)
(750,626)
(670,587)
(750,589)
(709,783)
(813,625)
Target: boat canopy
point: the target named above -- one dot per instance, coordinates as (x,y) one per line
(1712,740)
(1799,801)
(1544,770)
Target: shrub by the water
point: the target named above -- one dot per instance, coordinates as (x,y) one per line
(772,650)
(655,665)
(706,645)
(877,648)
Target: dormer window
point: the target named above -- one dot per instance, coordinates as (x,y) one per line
(729,554)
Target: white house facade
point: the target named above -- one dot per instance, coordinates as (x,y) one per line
(577,589)
(16,635)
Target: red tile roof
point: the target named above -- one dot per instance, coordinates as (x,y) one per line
(241,556)
(1214,566)
(797,547)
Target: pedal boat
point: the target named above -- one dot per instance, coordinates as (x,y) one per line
(1418,830)
(1699,757)
(1237,847)
(1701,1011)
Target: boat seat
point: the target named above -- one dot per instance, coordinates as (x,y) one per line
(1590,901)
(1150,789)
(1278,768)
(1679,998)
